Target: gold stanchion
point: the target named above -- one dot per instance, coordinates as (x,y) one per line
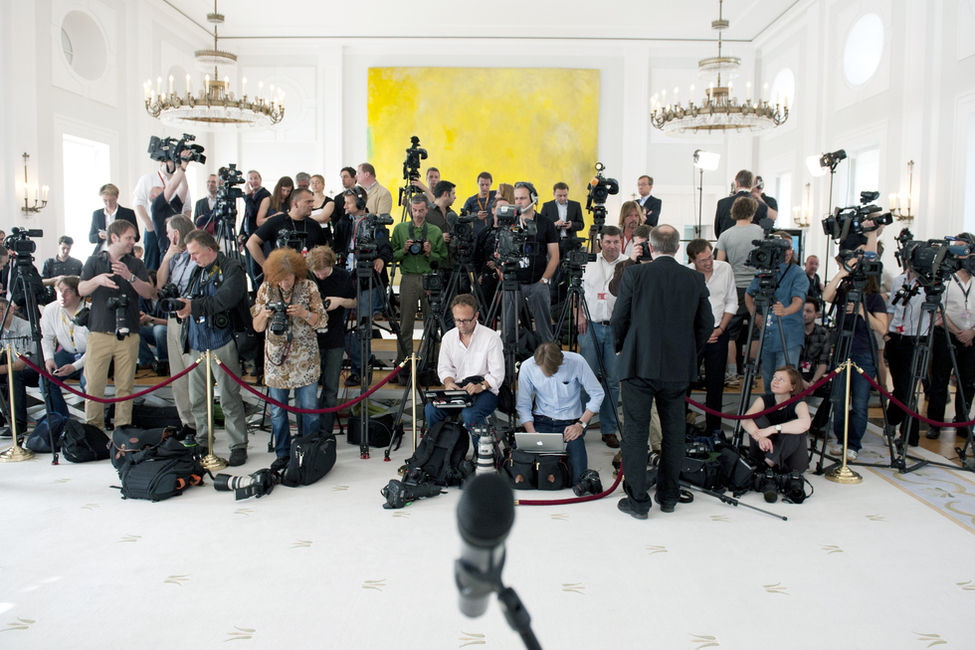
(16,453)
(413,394)
(210,461)
(844,474)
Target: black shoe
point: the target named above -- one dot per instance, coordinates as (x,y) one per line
(238,457)
(664,507)
(279,463)
(353,379)
(624,505)
(933,433)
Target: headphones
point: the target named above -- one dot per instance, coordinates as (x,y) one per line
(360,198)
(532,194)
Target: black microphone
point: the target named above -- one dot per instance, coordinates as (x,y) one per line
(485,514)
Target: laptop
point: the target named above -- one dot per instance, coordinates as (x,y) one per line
(540,443)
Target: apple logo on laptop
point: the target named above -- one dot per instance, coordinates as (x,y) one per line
(539,443)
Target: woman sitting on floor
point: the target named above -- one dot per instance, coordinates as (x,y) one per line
(779,438)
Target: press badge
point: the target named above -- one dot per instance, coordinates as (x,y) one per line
(805,366)
(601,296)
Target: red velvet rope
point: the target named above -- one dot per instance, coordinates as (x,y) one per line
(106,400)
(562,502)
(729,416)
(295,409)
(904,408)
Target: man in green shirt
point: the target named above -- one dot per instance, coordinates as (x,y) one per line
(416,245)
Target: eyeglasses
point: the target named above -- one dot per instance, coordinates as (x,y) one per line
(702,260)
(464,321)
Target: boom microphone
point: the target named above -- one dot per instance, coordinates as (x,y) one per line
(485,514)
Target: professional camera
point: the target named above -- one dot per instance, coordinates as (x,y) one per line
(120,304)
(903,239)
(18,241)
(515,239)
(279,319)
(171,149)
(935,260)
(416,248)
(433,282)
(168,295)
(366,248)
(589,484)
(257,484)
(644,251)
(225,207)
(81,318)
(769,253)
(771,484)
(411,166)
(864,267)
(599,190)
(295,239)
(415,485)
(846,221)
(462,233)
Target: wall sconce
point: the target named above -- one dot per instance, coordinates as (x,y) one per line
(40,200)
(801,213)
(900,205)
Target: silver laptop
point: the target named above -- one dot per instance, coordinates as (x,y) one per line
(540,443)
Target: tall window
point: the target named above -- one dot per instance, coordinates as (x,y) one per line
(865,173)
(783,195)
(970,177)
(86,168)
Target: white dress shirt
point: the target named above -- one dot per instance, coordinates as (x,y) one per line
(904,316)
(483,356)
(595,284)
(724,296)
(57,328)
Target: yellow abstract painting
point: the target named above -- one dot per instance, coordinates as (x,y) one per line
(519,124)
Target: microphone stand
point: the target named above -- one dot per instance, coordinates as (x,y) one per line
(472,581)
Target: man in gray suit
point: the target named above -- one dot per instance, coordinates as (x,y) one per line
(661,321)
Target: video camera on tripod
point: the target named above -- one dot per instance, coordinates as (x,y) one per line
(935,260)
(515,239)
(599,190)
(225,208)
(366,248)
(769,252)
(19,242)
(171,149)
(846,221)
(411,166)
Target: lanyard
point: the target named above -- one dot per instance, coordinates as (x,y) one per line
(70,325)
(963,289)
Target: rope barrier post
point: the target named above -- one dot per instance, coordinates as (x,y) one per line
(210,461)
(414,393)
(844,474)
(16,453)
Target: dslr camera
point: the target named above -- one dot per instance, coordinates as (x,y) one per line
(120,304)
(171,149)
(279,319)
(168,295)
(416,248)
(291,239)
(846,221)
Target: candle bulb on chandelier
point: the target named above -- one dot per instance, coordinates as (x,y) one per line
(145,89)
(159,85)
(891,200)
(206,84)
(44,191)
(676,90)
(271,93)
(748,93)
(189,85)
(243,87)
(170,84)
(226,84)
(37,193)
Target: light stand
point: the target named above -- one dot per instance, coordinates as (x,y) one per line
(816,166)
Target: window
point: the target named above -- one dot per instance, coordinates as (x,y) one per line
(783,196)
(865,173)
(86,168)
(864,49)
(970,175)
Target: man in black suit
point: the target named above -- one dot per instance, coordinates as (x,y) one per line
(565,214)
(743,187)
(203,211)
(649,203)
(661,321)
(101,219)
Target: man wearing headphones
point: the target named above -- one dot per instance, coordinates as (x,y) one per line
(536,269)
(416,246)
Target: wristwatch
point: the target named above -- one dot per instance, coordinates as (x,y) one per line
(132,279)
(585,425)
(544,280)
(778,428)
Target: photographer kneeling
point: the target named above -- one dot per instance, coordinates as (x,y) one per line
(294,308)
(778,440)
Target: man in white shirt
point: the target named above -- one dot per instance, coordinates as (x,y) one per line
(720,280)
(143,209)
(59,329)
(595,283)
(468,351)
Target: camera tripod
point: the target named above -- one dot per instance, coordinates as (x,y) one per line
(934,308)
(768,282)
(855,295)
(28,281)
(367,279)
(462,272)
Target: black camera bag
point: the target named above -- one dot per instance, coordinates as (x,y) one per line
(47,428)
(702,472)
(519,467)
(160,472)
(736,471)
(553,471)
(82,442)
(127,440)
(380,430)
(311,459)
(441,454)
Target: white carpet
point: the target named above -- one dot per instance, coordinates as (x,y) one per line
(856,566)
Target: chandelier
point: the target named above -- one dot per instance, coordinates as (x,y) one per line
(215,107)
(719,110)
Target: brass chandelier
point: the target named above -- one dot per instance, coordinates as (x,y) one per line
(719,111)
(214,107)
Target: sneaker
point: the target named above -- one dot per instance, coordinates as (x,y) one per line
(238,457)
(732,380)
(353,379)
(279,463)
(624,505)
(836,450)
(851,454)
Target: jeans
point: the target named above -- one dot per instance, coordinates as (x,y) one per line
(150,244)
(773,360)
(859,401)
(477,413)
(153,335)
(58,405)
(306,397)
(639,396)
(331,370)
(575,449)
(603,349)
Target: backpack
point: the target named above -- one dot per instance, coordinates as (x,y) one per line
(40,438)
(311,459)
(441,454)
(128,440)
(82,442)
(160,472)
(380,426)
